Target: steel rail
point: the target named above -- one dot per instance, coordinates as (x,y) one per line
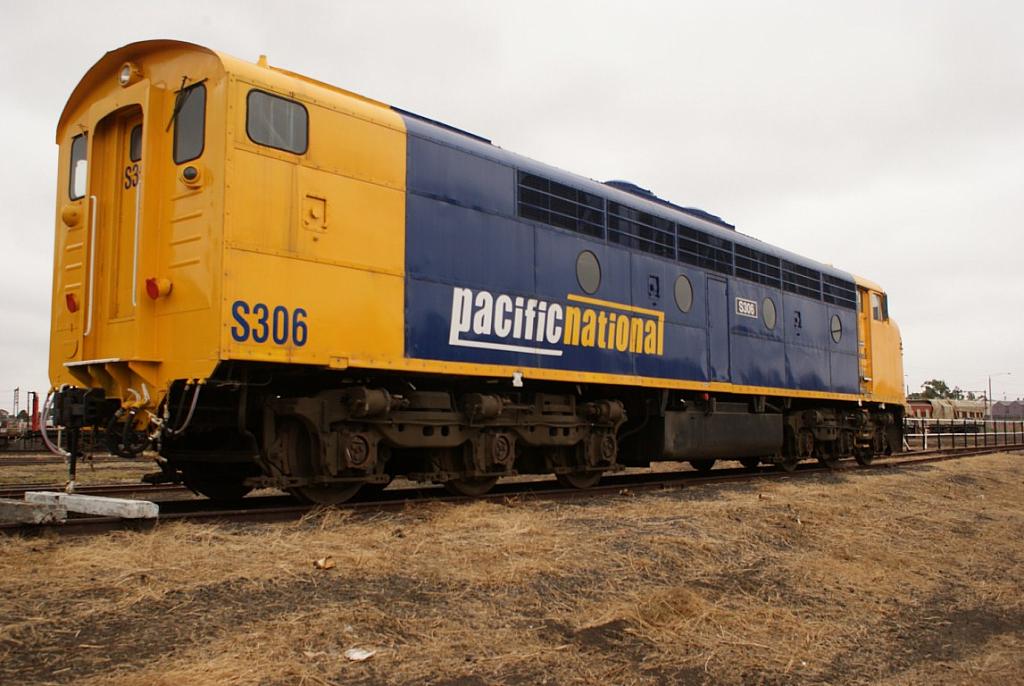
(264,509)
(29,461)
(112,489)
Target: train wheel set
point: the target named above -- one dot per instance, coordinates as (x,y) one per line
(327,446)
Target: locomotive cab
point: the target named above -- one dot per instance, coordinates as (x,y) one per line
(879,346)
(137,219)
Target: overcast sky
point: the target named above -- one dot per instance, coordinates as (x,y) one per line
(886,138)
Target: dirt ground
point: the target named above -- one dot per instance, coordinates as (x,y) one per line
(911,576)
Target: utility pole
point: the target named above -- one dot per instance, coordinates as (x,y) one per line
(988,399)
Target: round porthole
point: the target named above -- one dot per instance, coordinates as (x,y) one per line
(768,312)
(837,328)
(684,294)
(588,272)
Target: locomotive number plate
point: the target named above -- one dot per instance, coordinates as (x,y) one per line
(746,308)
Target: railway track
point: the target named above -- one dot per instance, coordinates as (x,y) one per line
(118,490)
(280,508)
(35,460)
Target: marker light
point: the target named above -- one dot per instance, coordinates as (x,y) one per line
(158,288)
(72,302)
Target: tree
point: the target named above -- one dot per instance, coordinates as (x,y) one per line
(935,388)
(971,396)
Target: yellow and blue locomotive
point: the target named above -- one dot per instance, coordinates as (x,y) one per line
(276,282)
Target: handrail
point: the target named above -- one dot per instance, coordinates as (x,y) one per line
(135,257)
(92,264)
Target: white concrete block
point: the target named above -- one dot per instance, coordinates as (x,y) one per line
(126,508)
(21,512)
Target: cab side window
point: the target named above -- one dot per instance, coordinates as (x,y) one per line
(277,122)
(79,167)
(189,123)
(135,144)
(879,307)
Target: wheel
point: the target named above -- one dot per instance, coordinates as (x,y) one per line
(703,466)
(864,457)
(325,495)
(579,479)
(370,491)
(216,481)
(829,461)
(222,490)
(789,464)
(300,451)
(472,487)
(750,462)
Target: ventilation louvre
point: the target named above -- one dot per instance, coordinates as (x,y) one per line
(550,202)
(641,231)
(754,265)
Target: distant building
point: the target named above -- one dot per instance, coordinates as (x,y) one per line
(1013,409)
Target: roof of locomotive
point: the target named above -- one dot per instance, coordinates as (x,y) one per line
(111,61)
(481,147)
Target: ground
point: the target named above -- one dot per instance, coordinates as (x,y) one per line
(103,471)
(910,576)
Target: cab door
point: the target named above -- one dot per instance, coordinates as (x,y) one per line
(864,341)
(718,329)
(124,291)
(116,193)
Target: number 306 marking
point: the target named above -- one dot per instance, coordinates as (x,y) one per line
(280,325)
(746,308)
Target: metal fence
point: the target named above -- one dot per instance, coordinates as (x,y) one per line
(935,434)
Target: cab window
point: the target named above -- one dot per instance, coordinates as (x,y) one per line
(79,168)
(135,144)
(189,123)
(277,122)
(879,307)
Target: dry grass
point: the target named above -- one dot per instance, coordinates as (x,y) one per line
(88,472)
(912,576)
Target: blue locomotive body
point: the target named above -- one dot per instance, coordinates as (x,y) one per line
(492,245)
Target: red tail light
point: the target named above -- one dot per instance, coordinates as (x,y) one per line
(158,288)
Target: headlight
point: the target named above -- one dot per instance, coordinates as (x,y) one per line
(128,75)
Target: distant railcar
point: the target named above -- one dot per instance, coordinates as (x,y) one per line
(277,282)
(953,415)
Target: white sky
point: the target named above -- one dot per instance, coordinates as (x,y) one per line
(884,137)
